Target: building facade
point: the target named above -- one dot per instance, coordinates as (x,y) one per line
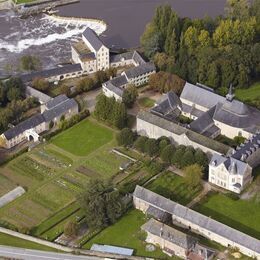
(52,111)
(234,172)
(198,223)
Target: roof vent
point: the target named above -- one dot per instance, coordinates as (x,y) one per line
(230,96)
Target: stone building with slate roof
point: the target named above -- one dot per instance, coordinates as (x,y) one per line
(234,172)
(214,114)
(29,129)
(175,242)
(136,76)
(198,223)
(154,126)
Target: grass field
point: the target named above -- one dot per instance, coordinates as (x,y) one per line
(146,102)
(8,240)
(83,138)
(173,187)
(240,214)
(249,94)
(127,233)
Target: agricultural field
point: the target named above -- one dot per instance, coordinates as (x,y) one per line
(54,174)
(240,214)
(173,187)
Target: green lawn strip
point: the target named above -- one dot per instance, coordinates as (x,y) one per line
(146,102)
(172,186)
(126,233)
(83,138)
(6,185)
(240,214)
(55,219)
(249,94)
(8,240)
(104,161)
(130,152)
(60,156)
(58,229)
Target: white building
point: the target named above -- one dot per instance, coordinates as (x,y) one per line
(29,129)
(214,114)
(234,172)
(90,52)
(136,76)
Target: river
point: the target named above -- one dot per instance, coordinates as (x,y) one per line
(126,19)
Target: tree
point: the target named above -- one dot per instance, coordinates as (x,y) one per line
(187,158)
(119,115)
(237,9)
(30,62)
(41,84)
(130,95)
(167,153)
(85,84)
(71,229)
(151,147)
(111,72)
(100,77)
(151,40)
(140,142)
(201,158)
(65,90)
(177,156)
(193,175)
(102,204)
(13,94)
(125,137)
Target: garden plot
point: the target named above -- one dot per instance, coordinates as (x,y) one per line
(6,185)
(53,196)
(104,161)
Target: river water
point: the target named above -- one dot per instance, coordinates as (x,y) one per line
(126,19)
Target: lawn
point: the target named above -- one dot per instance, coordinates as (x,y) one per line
(173,187)
(243,215)
(146,102)
(104,161)
(249,94)
(127,233)
(83,138)
(8,240)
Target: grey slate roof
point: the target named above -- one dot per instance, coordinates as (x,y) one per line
(58,110)
(201,96)
(32,92)
(133,55)
(116,90)
(140,70)
(23,126)
(51,72)
(56,101)
(250,146)
(93,38)
(169,106)
(119,81)
(179,130)
(233,165)
(158,214)
(194,217)
(170,234)
(230,112)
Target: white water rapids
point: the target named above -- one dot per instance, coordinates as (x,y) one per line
(43,36)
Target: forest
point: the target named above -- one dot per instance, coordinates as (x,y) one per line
(215,52)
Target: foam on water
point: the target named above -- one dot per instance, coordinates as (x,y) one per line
(50,30)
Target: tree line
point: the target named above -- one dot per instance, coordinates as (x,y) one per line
(215,52)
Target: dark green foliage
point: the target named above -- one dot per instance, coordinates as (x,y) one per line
(177,156)
(215,52)
(155,167)
(151,147)
(201,158)
(140,142)
(129,96)
(167,153)
(187,159)
(125,137)
(111,111)
(71,229)
(101,203)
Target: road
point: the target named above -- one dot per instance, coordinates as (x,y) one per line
(27,254)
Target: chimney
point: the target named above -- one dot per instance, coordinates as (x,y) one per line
(230,96)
